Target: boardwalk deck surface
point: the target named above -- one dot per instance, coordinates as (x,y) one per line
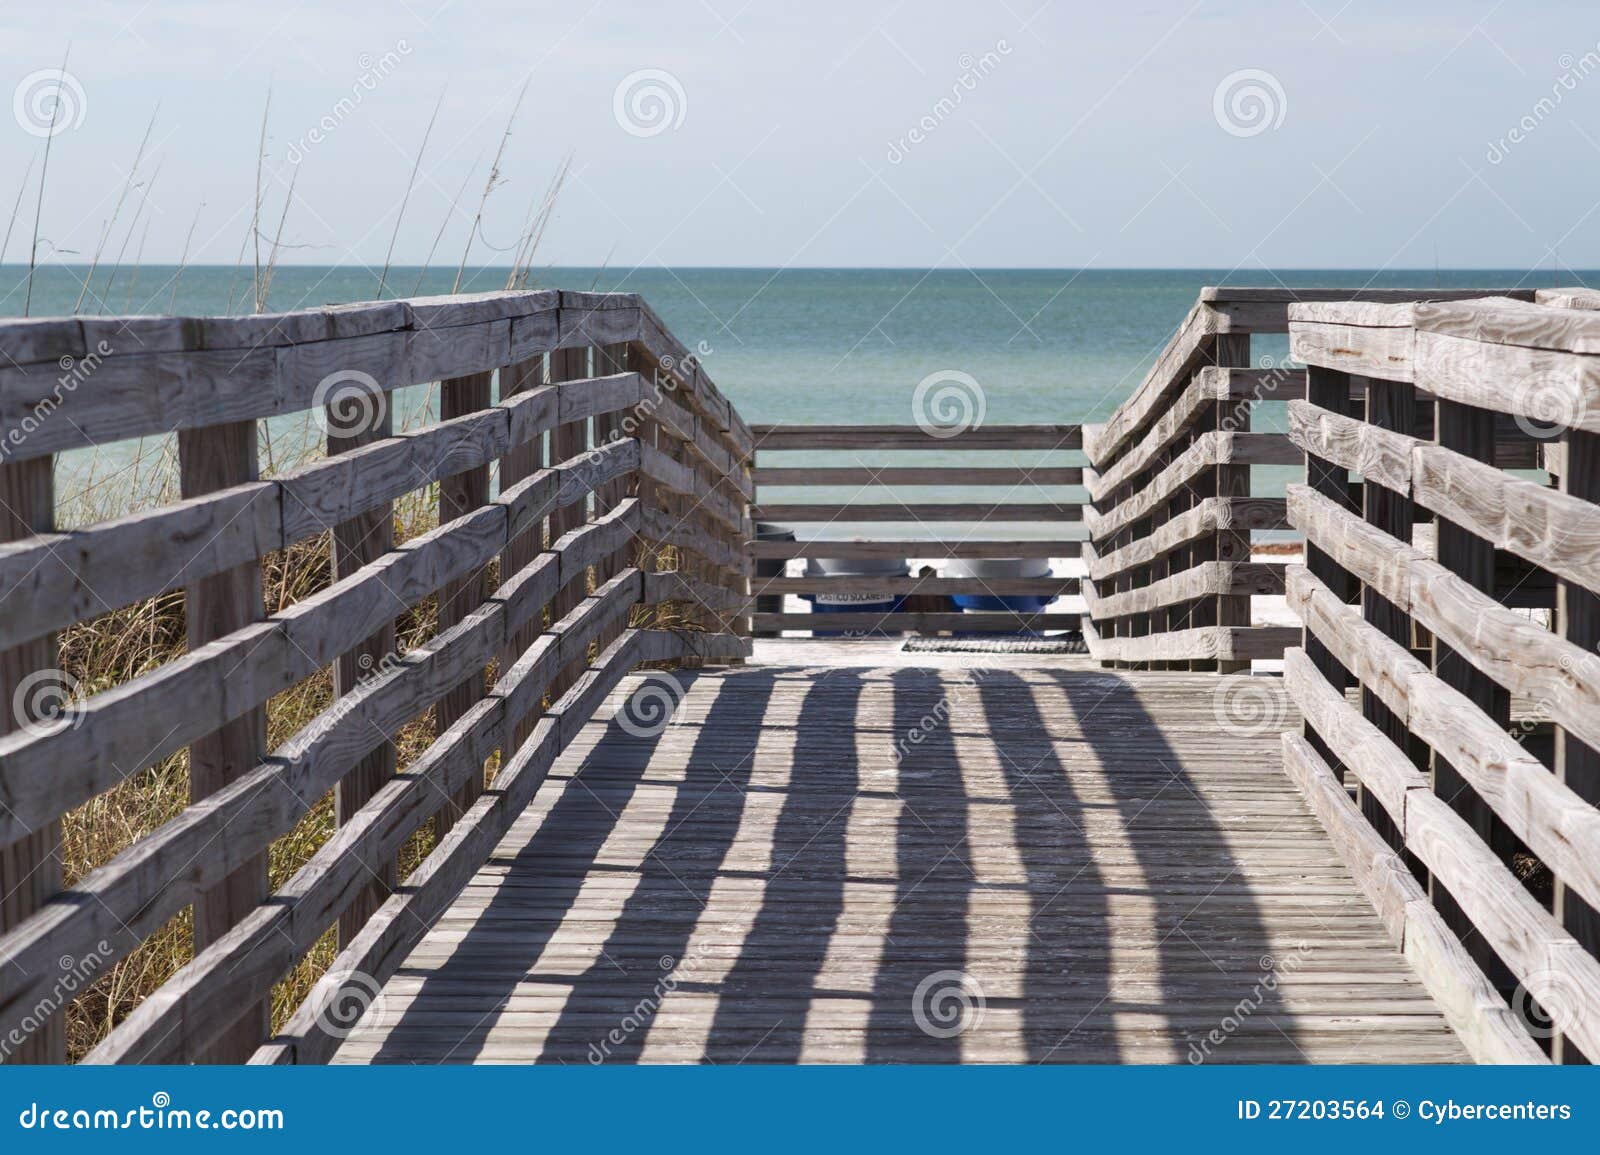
(1070,865)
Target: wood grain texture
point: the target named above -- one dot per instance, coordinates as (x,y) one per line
(919,475)
(1518,654)
(311,1035)
(1557,823)
(216,458)
(935,549)
(198,1002)
(1470,1004)
(807,909)
(922,511)
(1197,643)
(358,542)
(459,495)
(782,437)
(30,861)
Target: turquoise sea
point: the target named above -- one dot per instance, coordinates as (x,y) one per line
(828,345)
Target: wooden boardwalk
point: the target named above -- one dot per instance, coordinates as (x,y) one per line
(1070,865)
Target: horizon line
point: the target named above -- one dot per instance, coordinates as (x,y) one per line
(1386,270)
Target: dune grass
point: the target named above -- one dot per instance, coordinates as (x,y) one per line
(118,646)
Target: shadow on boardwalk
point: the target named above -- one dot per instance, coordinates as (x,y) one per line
(782,876)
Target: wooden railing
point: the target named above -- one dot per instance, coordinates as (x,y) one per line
(1449,674)
(644,454)
(1170,563)
(943,531)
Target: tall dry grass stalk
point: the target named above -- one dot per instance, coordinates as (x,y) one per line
(116,647)
(119,646)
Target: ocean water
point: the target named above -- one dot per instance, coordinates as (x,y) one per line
(821,345)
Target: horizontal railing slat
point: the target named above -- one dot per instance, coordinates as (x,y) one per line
(965,549)
(93,745)
(874,437)
(1052,587)
(844,475)
(196,1004)
(921,511)
(1540,809)
(1004,621)
(1519,654)
(1473,1008)
(376,952)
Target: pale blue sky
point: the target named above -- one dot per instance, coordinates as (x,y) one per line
(1085,134)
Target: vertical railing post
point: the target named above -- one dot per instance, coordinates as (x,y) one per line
(741,543)
(459,495)
(1160,619)
(357,542)
(1328,389)
(519,463)
(1210,546)
(1390,405)
(570,439)
(1577,763)
(1232,543)
(212,458)
(1180,615)
(608,427)
(30,868)
(1469,431)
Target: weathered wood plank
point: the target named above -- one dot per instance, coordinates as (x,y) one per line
(1217,447)
(1203,580)
(1198,643)
(1204,518)
(1557,823)
(1004,437)
(1548,387)
(1518,654)
(358,542)
(30,686)
(1005,621)
(217,458)
(459,495)
(919,475)
(1379,455)
(922,511)
(1473,1008)
(937,550)
(180,1019)
(384,942)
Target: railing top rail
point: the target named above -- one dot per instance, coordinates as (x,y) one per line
(126,377)
(1499,321)
(1227,309)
